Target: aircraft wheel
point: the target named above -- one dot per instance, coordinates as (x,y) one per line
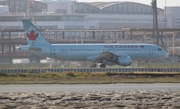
(103,66)
(93,66)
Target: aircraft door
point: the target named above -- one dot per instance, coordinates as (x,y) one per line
(151,52)
(52,50)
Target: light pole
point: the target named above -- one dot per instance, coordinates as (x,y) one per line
(165,15)
(17,9)
(174,35)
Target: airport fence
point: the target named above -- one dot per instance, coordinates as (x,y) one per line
(89,70)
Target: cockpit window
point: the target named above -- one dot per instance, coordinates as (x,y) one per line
(159,49)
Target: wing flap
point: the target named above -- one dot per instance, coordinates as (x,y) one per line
(104,57)
(107,55)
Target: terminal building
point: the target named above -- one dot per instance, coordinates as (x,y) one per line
(68,14)
(20,6)
(173,16)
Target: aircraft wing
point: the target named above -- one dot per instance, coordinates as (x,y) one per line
(106,57)
(110,58)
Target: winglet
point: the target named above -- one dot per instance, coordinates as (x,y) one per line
(34,37)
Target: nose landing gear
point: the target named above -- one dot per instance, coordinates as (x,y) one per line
(93,65)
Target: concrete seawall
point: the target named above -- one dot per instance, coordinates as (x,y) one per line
(141,99)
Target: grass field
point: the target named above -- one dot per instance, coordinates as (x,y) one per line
(88,78)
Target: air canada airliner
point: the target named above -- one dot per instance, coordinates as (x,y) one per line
(106,54)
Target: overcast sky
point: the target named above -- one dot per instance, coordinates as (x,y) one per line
(160,3)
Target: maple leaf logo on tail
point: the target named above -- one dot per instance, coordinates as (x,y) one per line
(32,35)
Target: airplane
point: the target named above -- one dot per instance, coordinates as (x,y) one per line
(105,54)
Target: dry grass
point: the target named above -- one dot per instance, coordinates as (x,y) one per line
(89,78)
(157,73)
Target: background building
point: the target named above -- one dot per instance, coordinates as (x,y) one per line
(50,21)
(114,8)
(20,6)
(4,9)
(100,8)
(173,17)
(96,15)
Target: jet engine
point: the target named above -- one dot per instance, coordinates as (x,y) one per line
(124,61)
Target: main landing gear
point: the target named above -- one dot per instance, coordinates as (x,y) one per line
(103,66)
(147,64)
(95,66)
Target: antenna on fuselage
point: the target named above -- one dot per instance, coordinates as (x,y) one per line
(115,41)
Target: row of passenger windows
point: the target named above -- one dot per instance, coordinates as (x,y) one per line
(159,49)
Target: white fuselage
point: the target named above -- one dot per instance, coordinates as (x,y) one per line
(81,52)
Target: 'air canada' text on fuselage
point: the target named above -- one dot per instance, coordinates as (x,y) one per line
(122,46)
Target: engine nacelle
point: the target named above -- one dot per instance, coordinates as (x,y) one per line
(124,61)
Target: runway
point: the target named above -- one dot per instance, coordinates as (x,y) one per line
(87,88)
